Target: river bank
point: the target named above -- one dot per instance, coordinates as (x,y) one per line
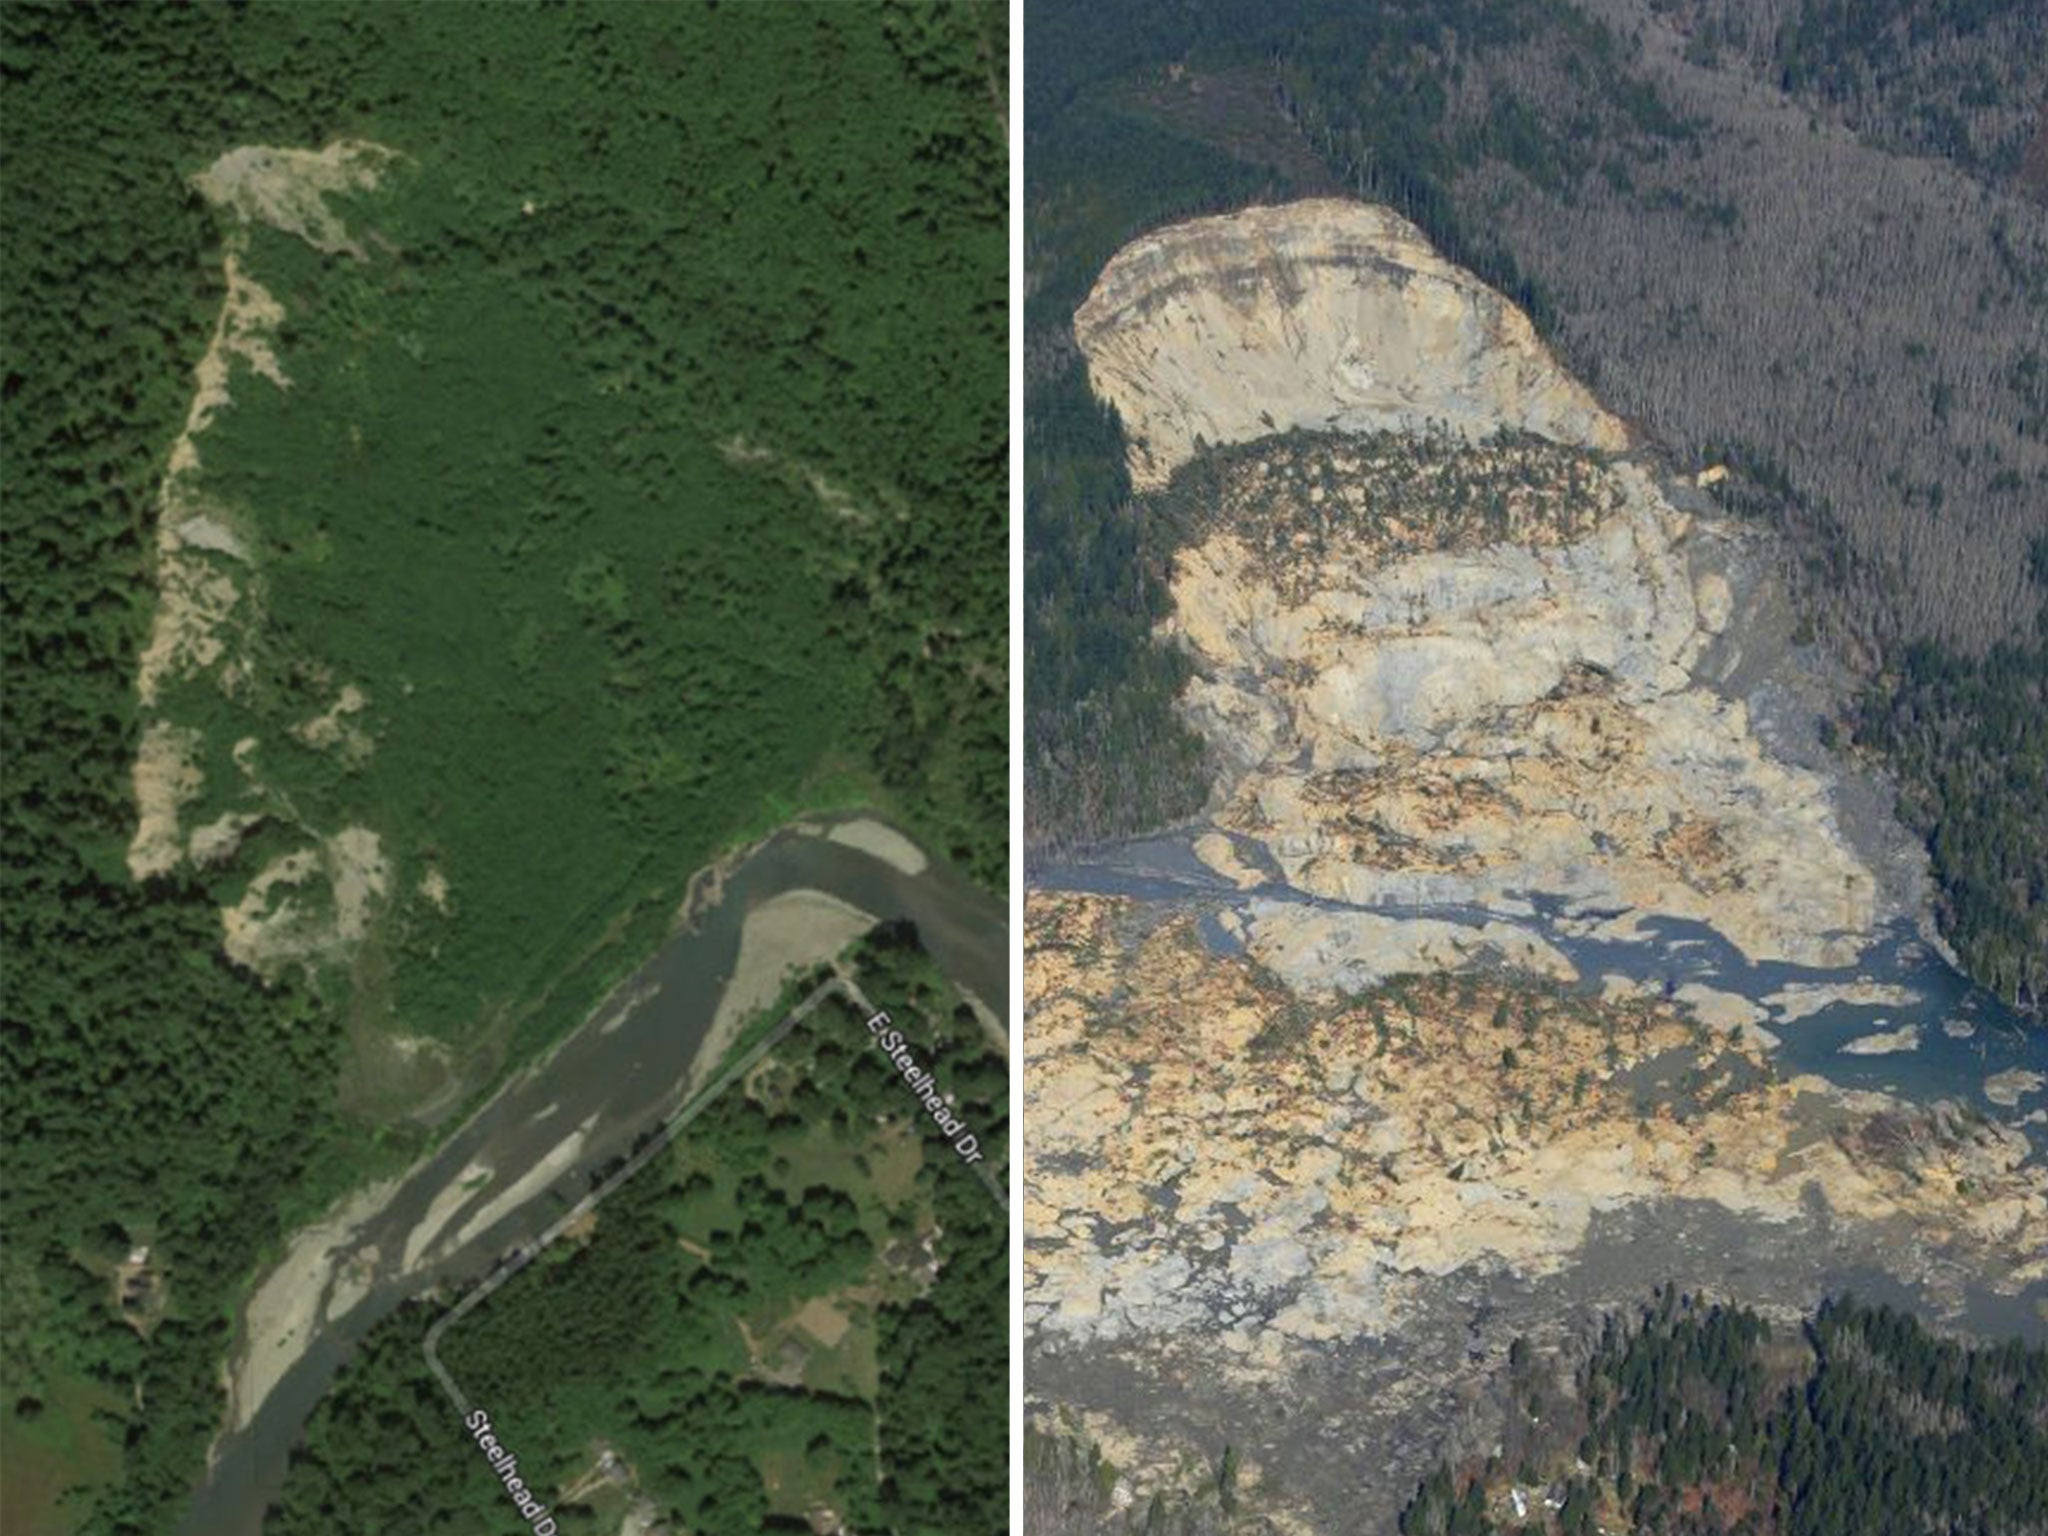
(1320,1255)
(623,1070)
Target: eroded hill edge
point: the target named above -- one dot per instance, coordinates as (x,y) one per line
(1476,679)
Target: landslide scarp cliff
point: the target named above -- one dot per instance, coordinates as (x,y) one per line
(1485,692)
(1451,647)
(1318,314)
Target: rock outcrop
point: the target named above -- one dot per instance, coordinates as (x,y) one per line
(1320,314)
(1450,651)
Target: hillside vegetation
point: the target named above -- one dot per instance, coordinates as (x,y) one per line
(1696,1419)
(1687,1418)
(643,463)
(1296,497)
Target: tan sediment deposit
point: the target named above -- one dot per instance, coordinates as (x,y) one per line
(336,729)
(352,1283)
(433,887)
(285,1309)
(559,1160)
(1716,1009)
(309,904)
(217,841)
(1318,314)
(198,549)
(1885,1042)
(314,903)
(201,562)
(453,1195)
(1320,952)
(1220,854)
(884,843)
(781,935)
(289,189)
(166,778)
(1207,1145)
(2007,1088)
(1803,999)
(1409,711)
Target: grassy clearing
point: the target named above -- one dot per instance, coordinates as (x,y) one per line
(56,1448)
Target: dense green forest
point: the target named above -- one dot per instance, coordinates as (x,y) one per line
(802,1307)
(1969,738)
(1697,1419)
(1668,187)
(1104,753)
(517,492)
(1688,1418)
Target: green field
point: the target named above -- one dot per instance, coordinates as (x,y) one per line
(640,482)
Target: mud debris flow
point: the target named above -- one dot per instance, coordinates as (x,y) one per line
(1531,950)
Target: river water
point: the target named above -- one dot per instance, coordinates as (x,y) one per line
(1348,1426)
(1966,1035)
(627,1066)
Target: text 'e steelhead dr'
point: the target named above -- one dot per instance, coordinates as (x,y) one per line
(922,1083)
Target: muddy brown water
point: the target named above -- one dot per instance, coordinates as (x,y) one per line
(627,1065)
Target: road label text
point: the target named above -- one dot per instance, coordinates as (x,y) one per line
(925,1086)
(506,1465)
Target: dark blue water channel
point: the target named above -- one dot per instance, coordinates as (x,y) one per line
(1966,1034)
